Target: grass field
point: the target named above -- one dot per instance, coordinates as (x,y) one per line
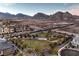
(37,44)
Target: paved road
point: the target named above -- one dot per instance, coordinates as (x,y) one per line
(69,33)
(76,35)
(66,44)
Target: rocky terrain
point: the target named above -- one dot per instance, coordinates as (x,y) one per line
(42,20)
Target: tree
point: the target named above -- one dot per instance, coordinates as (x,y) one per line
(49,33)
(52,45)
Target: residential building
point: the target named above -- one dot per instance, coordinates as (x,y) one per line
(75,41)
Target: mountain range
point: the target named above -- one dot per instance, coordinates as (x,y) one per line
(57,16)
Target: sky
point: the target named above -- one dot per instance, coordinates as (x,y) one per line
(33,8)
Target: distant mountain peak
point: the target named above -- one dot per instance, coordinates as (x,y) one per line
(57,16)
(61,16)
(20,14)
(40,16)
(12,16)
(59,12)
(68,13)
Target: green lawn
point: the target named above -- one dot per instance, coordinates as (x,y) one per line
(37,44)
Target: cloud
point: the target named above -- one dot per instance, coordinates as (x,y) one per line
(2,9)
(5,9)
(7,4)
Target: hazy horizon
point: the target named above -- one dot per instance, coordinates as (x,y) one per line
(33,8)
